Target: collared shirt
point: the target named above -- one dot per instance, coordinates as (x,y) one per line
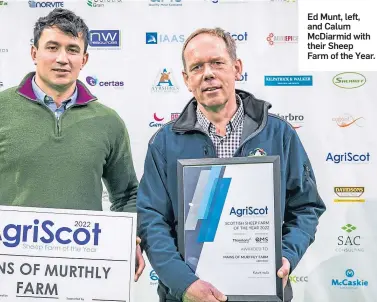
(48,101)
(227,145)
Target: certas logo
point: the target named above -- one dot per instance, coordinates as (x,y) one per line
(349,194)
(289,80)
(165,3)
(155,38)
(93,81)
(349,80)
(349,281)
(101,3)
(47,232)
(36,4)
(258,152)
(348,157)
(297,121)
(248,211)
(104,38)
(165,82)
(157,121)
(350,241)
(348,120)
(272,39)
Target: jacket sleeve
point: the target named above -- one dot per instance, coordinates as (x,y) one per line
(303,205)
(156,226)
(119,174)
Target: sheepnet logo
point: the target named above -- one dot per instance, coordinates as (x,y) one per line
(157,121)
(349,194)
(297,121)
(350,240)
(36,4)
(165,82)
(165,3)
(349,281)
(248,211)
(272,39)
(348,120)
(348,157)
(47,232)
(93,81)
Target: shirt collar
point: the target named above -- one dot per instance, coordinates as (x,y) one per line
(235,121)
(42,97)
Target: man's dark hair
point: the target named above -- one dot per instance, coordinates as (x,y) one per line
(66,21)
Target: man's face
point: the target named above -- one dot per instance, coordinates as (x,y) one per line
(210,72)
(59,58)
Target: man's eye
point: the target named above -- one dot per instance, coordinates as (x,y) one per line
(51,47)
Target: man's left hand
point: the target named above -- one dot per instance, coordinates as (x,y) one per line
(140,263)
(283,272)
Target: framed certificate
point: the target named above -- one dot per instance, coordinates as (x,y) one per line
(229,224)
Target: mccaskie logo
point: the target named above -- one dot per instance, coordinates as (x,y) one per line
(272,39)
(349,281)
(349,194)
(289,80)
(248,211)
(348,157)
(47,232)
(165,82)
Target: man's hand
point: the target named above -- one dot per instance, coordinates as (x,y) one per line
(283,272)
(140,263)
(201,291)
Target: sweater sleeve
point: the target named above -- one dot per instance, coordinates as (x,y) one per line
(119,174)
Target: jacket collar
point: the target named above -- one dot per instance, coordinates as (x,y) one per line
(254,108)
(25,89)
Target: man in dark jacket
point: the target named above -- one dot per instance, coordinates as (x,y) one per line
(220,121)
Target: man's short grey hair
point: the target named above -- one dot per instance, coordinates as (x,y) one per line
(217,32)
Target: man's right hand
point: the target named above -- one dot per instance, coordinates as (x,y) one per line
(201,291)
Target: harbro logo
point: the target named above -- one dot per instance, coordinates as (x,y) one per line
(349,194)
(12,235)
(258,152)
(349,281)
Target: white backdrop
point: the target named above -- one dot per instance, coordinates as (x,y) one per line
(331,120)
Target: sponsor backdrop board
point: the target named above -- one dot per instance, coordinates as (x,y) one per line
(135,68)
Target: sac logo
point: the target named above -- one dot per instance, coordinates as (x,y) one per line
(349,80)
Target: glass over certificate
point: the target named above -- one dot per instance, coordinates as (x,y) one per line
(230,224)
